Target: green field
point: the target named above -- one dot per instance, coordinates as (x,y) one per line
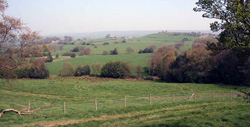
(159,39)
(80,93)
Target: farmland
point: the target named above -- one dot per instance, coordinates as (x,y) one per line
(79,95)
(158,39)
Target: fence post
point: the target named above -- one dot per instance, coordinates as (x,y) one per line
(173,97)
(194,95)
(96,105)
(29,106)
(64,107)
(150,100)
(125,102)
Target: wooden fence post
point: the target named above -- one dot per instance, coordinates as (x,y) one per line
(150,100)
(125,102)
(194,95)
(29,106)
(64,107)
(173,97)
(96,105)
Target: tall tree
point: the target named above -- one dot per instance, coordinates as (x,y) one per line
(234,16)
(16,38)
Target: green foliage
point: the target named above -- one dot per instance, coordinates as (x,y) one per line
(96,68)
(235,18)
(115,70)
(22,72)
(82,70)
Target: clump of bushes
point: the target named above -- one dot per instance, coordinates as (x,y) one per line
(115,70)
(82,70)
(67,70)
(149,49)
(68,53)
(37,70)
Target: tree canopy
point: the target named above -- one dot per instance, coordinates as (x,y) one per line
(233,22)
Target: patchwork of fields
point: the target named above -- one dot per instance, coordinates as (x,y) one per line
(159,39)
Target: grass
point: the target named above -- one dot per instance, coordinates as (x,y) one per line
(133,59)
(80,93)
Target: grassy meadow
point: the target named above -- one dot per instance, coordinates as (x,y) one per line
(79,95)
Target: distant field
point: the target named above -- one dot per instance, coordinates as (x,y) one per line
(159,40)
(80,93)
(133,59)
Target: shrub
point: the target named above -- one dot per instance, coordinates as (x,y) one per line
(22,72)
(39,70)
(76,49)
(96,68)
(84,51)
(57,55)
(105,43)
(138,70)
(149,49)
(82,70)
(67,53)
(105,53)
(73,55)
(124,41)
(49,58)
(67,69)
(129,50)
(114,52)
(115,70)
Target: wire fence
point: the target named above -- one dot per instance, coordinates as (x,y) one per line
(72,106)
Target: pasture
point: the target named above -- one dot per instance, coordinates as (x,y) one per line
(79,95)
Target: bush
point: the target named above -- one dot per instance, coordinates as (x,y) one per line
(124,41)
(96,68)
(22,72)
(67,70)
(67,53)
(39,70)
(105,43)
(76,49)
(105,53)
(114,52)
(73,55)
(115,70)
(57,55)
(49,58)
(82,70)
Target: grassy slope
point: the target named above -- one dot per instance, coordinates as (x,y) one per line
(79,95)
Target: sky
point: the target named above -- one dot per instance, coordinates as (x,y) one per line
(78,16)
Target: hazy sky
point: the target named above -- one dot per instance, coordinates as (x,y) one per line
(77,16)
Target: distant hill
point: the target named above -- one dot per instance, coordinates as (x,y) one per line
(102,34)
